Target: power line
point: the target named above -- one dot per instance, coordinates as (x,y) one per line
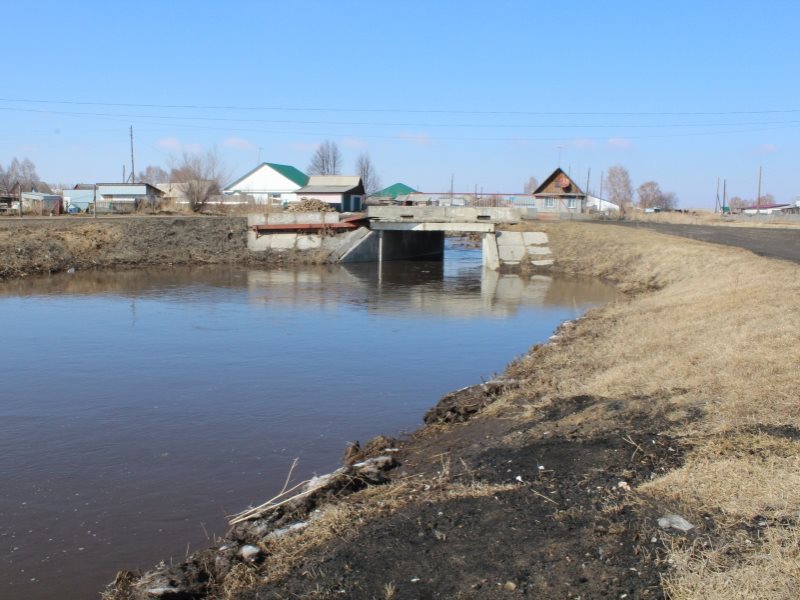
(406,124)
(404,110)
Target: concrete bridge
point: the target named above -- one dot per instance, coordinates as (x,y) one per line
(403,233)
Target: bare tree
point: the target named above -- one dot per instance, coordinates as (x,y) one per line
(649,194)
(668,201)
(200,177)
(531,185)
(366,171)
(153,175)
(327,160)
(22,172)
(620,191)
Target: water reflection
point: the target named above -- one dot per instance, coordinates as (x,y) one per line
(424,289)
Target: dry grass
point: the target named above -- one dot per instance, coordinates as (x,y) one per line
(766,571)
(718,330)
(754,477)
(707,331)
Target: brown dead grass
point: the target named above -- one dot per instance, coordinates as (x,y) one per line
(717,331)
(738,479)
(769,570)
(706,331)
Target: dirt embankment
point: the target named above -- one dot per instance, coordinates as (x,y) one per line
(650,449)
(40,246)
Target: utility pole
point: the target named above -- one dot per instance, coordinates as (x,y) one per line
(586,191)
(452,178)
(724,194)
(133,168)
(19,193)
(716,204)
(758,198)
(94,201)
(602,173)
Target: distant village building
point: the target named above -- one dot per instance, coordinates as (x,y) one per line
(269,183)
(397,193)
(345,193)
(112,197)
(767,209)
(559,193)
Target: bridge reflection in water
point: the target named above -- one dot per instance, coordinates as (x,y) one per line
(424,288)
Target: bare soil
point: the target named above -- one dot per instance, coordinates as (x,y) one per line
(564,529)
(33,246)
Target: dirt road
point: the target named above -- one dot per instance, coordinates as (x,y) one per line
(775,243)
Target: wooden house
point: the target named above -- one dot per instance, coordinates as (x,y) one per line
(559,193)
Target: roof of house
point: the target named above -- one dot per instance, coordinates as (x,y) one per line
(331,184)
(291,173)
(767,206)
(114,188)
(395,190)
(563,182)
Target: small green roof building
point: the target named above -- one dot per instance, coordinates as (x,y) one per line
(395,190)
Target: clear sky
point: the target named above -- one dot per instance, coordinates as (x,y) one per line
(489,92)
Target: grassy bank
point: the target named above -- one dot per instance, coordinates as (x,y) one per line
(711,334)
(679,398)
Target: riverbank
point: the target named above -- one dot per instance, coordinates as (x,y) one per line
(35,246)
(556,480)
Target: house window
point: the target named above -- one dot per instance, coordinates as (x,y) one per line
(549,203)
(572,203)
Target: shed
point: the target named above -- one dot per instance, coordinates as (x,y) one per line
(345,193)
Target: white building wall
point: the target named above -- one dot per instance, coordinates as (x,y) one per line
(262,183)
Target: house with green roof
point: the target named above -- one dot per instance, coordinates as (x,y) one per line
(269,183)
(395,190)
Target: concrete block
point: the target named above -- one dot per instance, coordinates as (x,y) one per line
(511,254)
(538,250)
(283,241)
(491,259)
(542,263)
(256,219)
(510,238)
(535,238)
(282,218)
(309,242)
(257,243)
(330,217)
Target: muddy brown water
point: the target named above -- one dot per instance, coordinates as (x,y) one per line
(138,408)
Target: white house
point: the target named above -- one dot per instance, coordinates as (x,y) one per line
(269,183)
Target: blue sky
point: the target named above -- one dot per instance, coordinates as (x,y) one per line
(488,92)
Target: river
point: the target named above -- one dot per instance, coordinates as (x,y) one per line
(138,408)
